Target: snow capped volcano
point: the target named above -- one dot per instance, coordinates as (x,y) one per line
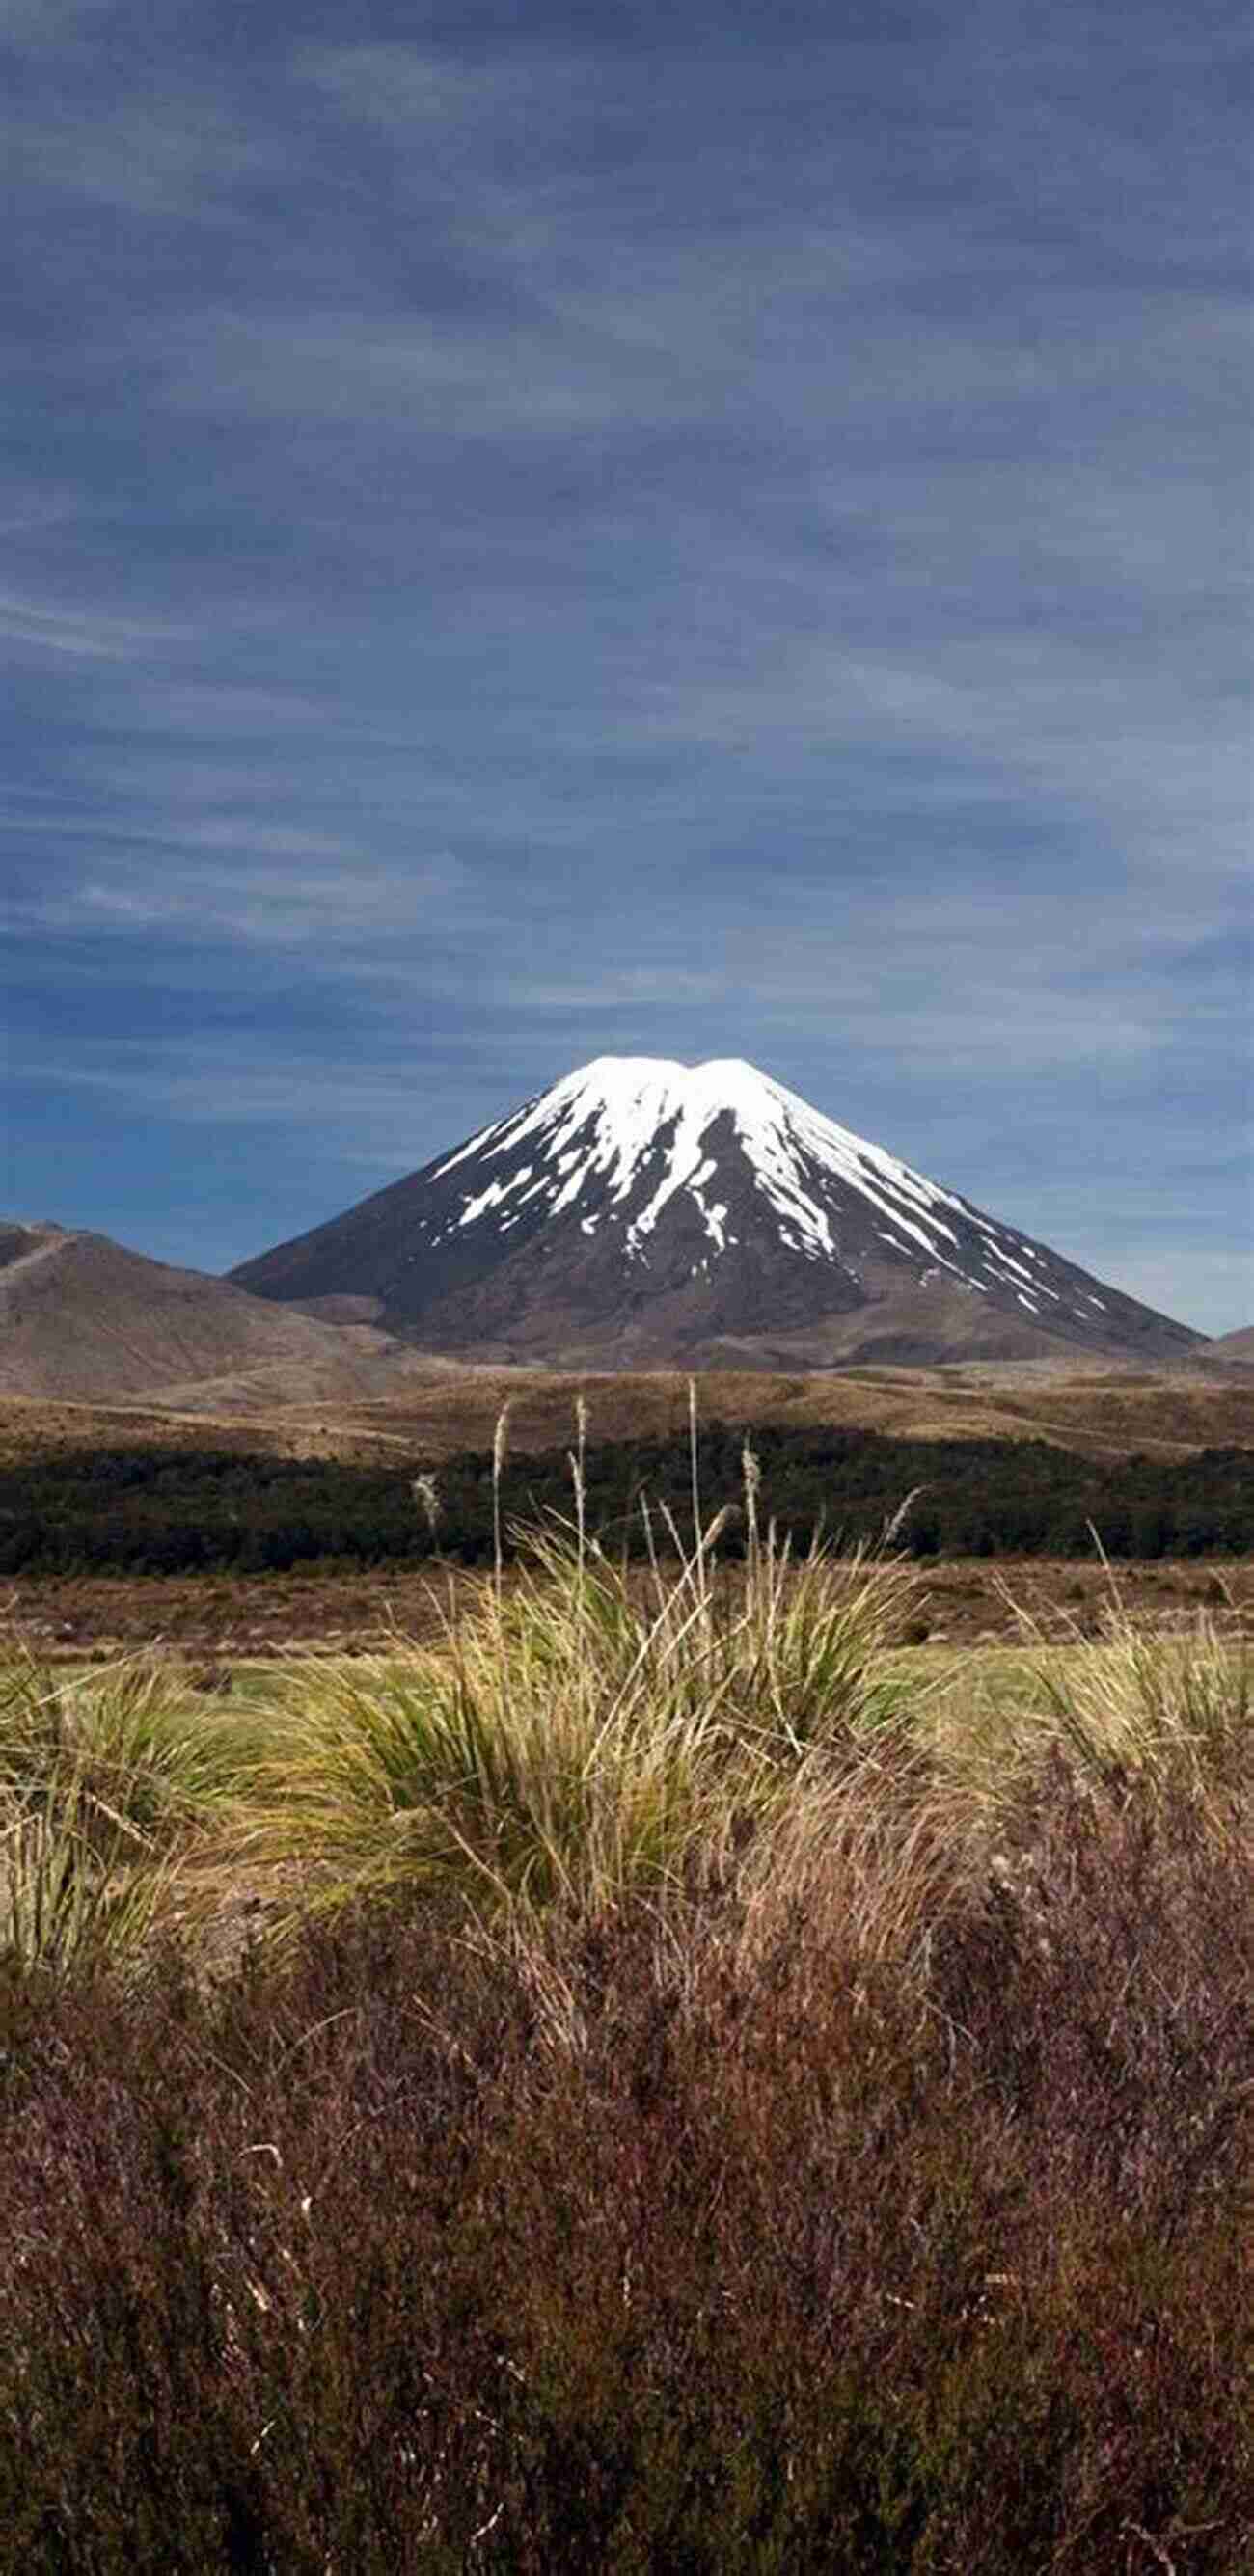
(642,1211)
(604,1125)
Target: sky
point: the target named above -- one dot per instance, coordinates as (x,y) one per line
(533,532)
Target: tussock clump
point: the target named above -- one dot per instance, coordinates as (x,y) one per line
(1167,1711)
(131,1732)
(579,1736)
(1122,1708)
(106,1779)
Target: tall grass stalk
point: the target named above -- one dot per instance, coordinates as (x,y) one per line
(500,1451)
(694,1471)
(578,1468)
(751,1480)
(577,1461)
(426,1494)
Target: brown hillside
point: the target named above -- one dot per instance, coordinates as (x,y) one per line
(437,1407)
(1097,1412)
(84,1320)
(1234,1349)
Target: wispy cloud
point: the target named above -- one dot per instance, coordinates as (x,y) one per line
(659,535)
(47,626)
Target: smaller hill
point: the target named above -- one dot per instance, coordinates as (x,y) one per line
(1234,1349)
(83,1320)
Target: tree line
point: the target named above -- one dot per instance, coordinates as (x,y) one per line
(153,1511)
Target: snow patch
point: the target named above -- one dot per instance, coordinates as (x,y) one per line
(634,1133)
(608,1119)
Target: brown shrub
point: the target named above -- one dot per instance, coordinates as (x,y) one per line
(663,2243)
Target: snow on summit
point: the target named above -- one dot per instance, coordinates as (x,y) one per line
(612,1119)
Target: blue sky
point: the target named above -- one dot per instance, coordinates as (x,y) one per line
(538,532)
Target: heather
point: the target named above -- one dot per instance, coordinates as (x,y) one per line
(660,2077)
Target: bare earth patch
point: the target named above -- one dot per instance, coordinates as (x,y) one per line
(222,1617)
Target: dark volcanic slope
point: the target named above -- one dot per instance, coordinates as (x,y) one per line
(643,1212)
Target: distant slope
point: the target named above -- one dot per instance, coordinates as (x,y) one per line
(1238,1346)
(1096,1412)
(84,1320)
(433,1409)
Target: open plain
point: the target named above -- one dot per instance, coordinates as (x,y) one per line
(213,1621)
(1094,1414)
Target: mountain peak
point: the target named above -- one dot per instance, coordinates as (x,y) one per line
(644,1211)
(610,1121)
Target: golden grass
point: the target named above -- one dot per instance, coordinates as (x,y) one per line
(442,1407)
(107,1778)
(572,1738)
(580,1735)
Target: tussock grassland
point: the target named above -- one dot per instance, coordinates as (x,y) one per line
(658,2078)
(441,1406)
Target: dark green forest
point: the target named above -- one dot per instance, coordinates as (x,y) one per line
(148,1511)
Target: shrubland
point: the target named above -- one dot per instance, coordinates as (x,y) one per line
(156,1510)
(657,2078)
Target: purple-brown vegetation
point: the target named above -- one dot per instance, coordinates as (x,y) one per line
(745,2233)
